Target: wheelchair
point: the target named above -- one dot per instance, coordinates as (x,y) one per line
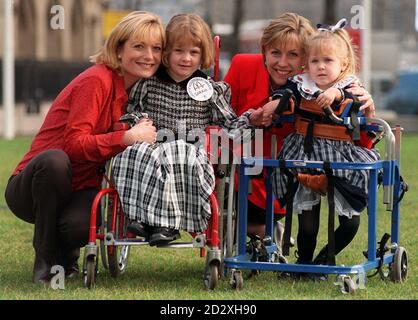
(388,258)
(115,241)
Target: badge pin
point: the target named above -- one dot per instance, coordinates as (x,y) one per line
(199,89)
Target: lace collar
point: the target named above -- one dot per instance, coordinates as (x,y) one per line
(307,87)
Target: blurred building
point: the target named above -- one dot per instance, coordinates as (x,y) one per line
(53,40)
(164,8)
(47,58)
(36,39)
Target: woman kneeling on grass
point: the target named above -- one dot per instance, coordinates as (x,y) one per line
(54,185)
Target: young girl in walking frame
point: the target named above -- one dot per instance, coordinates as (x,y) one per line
(165,187)
(330,70)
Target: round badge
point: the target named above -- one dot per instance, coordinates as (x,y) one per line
(199,89)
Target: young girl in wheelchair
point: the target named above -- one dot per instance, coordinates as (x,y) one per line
(330,70)
(165,187)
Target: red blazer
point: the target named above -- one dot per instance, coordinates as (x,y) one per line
(80,122)
(250,88)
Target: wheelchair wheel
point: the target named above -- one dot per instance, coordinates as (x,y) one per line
(229,242)
(118,259)
(90,272)
(399,269)
(117,256)
(104,203)
(211,277)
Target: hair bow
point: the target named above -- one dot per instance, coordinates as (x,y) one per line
(339,25)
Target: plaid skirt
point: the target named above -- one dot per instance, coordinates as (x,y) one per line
(165,184)
(351,186)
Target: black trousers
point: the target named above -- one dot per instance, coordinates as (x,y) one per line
(41,194)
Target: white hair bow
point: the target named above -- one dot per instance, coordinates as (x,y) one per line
(339,25)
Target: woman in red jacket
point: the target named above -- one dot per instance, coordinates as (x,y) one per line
(253,78)
(56,181)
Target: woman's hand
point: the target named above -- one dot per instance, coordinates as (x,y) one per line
(268,112)
(256,117)
(368,107)
(143,131)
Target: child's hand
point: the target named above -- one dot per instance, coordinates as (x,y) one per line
(327,97)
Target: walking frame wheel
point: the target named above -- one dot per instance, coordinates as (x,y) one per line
(399,268)
(236,281)
(348,286)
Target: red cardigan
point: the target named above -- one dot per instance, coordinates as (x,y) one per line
(80,122)
(249,81)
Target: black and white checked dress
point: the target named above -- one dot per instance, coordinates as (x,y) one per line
(351,193)
(169,184)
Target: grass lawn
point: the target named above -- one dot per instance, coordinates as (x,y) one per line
(177,274)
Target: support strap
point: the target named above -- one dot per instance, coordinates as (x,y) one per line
(331,215)
(289,208)
(308,142)
(355,125)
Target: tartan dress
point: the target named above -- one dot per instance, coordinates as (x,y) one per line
(351,189)
(168,184)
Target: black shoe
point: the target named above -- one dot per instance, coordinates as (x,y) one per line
(140,229)
(41,270)
(69,260)
(322,257)
(309,276)
(72,271)
(161,236)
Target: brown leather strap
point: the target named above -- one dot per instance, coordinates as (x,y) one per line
(313,107)
(321,130)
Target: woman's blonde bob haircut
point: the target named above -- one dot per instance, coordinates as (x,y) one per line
(288,27)
(189,28)
(140,25)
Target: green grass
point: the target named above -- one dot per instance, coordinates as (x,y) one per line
(177,274)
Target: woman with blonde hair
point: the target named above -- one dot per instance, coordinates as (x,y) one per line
(55,183)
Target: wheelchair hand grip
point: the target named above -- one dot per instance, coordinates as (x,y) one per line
(284,102)
(331,115)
